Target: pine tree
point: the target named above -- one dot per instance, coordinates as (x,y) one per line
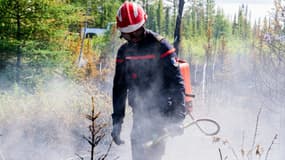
(18,17)
(31,22)
(167,22)
(160,17)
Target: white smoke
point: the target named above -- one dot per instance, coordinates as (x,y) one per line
(234,105)
(49,124)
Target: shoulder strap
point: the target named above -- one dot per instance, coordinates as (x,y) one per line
(157,36)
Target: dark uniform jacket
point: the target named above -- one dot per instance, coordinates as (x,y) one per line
(147,75)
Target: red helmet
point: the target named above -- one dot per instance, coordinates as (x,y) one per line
(130,17)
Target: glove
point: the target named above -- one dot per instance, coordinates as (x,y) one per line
(116,134)
(189,106)
(175,130)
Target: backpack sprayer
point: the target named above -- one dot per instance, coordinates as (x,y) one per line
(185,72)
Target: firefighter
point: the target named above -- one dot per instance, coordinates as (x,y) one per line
(147,75)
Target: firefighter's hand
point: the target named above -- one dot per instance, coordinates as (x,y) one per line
(116,134)
(189,106)
(175,130)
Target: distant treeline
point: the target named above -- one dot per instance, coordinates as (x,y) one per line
(38,37)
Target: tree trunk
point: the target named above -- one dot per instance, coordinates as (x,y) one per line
(195,73)
(178,26)
(19,53)
(204,82)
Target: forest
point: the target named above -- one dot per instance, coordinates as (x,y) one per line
(56,81)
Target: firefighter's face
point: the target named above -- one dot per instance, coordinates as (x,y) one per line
(135,36)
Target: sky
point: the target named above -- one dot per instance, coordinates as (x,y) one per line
(258,8)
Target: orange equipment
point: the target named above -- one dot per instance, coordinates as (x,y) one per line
(185,72)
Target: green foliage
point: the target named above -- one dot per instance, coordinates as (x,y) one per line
(151,22)
(33,29)
(241,25)
(195,46)
(238,46)
(99,42)
(6,46)
(18,17)
(160,19)
(45,26)
(167,22)
(221,25)
(209,15)
(104,12)
(40,65)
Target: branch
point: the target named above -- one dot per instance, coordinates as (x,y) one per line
(92,118)
(89,141)
(106,154)
(270,147)
(98,139)
(220,153)
(256,128)
(234,152)
(81,158)
(98,129)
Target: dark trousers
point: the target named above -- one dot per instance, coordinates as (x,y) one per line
(145,129)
